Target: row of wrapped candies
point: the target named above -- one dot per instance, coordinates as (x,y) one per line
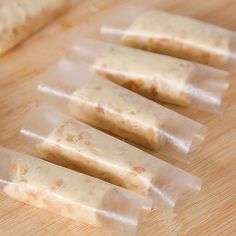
(101,87)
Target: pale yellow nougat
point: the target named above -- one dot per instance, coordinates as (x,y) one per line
(57,189)
(110,107)
(179,36)
(20,18)
(85,149)
(158,77)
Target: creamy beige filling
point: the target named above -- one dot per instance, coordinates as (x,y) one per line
(21,18)
(119,111)
(158,77)
(180,37)
(82,148)
(57,189)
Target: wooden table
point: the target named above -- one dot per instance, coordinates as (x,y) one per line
(212,213)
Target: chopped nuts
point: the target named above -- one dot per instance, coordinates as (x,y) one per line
(23,170)
(14,168)
(57,185)
(138,170)
(99,109)
(84,135)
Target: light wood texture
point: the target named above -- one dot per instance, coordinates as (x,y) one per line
(212,213)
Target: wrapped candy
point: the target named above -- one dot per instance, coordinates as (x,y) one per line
(144,27)
(22,18)
(155,76)
(70,194)
(73,144)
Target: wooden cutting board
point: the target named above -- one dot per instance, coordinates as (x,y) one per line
(212,213)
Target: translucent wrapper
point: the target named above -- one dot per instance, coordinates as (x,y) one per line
(155,76)
(143,26)
(70,194)
(112,108)
(21,18)
(73,144)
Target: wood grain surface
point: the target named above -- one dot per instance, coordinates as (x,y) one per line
(212,213)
